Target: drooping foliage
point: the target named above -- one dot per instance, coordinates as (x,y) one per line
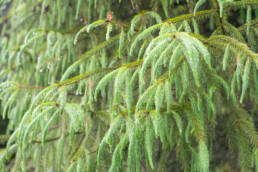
(119,85)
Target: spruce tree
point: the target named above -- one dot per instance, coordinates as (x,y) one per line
(129,85)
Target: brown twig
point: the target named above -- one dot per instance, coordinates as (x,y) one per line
(78,146)
(55,138)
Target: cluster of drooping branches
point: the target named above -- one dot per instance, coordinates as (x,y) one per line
(97,85)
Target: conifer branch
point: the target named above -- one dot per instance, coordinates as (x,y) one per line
(210,12)
(104,99)
(254,23)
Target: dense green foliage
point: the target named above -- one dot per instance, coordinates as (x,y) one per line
(129,85)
